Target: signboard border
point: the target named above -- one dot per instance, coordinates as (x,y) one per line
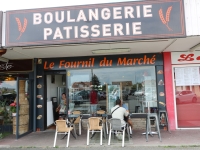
(101,39)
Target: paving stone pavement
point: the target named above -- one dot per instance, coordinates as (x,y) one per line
(107,148)
(178,139)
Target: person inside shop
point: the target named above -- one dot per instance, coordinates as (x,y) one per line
(93,101)
(61,109)
(121,113)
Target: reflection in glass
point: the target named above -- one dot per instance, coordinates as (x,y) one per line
(8,108)
(7,97)
(131,84)
(187,96)
(79,90)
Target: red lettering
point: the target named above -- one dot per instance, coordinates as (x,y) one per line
(184,57)
(51,65)
(45,65)
(61,63)
(198,58)
(48,66)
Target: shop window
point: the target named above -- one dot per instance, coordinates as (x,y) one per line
(134,85)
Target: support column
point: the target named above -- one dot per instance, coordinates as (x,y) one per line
(169,89)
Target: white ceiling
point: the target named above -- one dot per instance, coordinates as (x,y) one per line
(72,50)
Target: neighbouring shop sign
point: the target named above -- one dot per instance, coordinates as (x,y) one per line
(185,57)
(96,23)
(16,65)
(102,61)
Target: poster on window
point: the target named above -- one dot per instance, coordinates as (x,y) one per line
(187,76)
(113,94)
(150,91)
(148,88)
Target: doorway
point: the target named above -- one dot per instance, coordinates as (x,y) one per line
(16,98)
(55,86)
(187,97)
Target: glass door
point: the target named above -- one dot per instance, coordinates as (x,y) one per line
(187,96)
(22,124)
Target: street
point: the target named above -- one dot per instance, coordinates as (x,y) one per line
(195,147)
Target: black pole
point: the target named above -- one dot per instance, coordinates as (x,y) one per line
(34,95)
(67,93)
(17,114)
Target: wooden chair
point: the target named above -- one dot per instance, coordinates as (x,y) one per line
(62,128)
(94,126)
(78,120)
(100,113)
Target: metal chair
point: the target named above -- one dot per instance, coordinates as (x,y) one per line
(62,128)
(117,127)
(78,120)
(94,126)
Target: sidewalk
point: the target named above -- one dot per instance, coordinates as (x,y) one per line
(46,138)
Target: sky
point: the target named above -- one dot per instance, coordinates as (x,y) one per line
(8,84)
(31,4)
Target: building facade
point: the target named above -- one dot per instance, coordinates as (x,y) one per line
(120,49)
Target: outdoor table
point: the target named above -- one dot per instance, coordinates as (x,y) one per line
(141,115)
(71,118)
(86,116)
(104,116)
(148,119)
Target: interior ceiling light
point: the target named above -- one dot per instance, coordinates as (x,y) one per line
(194,48)
(4,59)
(10,79)
(106,51)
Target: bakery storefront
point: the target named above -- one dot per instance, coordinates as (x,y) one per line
(135,78)
(186,74)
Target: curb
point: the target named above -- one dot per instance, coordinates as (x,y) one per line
(4,146)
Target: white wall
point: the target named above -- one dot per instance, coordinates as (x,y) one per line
(52,92)
(51,87)
(192,17)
